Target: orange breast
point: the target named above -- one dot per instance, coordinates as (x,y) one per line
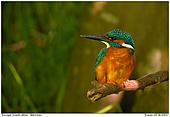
(116,66)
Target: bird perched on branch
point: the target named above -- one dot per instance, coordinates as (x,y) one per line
(115,62)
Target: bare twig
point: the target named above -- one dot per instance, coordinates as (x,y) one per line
(101,90)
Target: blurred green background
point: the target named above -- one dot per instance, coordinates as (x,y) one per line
(47,67)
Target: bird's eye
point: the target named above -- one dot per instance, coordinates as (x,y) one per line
(114,38)
(110,38)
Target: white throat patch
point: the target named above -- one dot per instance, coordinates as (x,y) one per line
(107,44)
(127,45)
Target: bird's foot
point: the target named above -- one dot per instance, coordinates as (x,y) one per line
(130,84)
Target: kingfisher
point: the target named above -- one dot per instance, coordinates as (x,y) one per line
(115,62)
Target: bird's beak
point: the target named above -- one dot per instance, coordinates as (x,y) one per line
(94,37)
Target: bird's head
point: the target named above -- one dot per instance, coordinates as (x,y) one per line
(115,38)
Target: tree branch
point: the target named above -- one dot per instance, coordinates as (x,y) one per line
(101,90)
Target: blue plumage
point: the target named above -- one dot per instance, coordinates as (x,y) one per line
(121,35)
(115,38)
(101,54)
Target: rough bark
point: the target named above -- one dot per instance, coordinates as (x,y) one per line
(101,90)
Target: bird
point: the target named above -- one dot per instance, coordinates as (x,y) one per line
(116,61)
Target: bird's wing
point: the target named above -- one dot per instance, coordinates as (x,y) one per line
(101,54)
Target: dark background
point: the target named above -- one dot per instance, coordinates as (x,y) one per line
(47,67)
